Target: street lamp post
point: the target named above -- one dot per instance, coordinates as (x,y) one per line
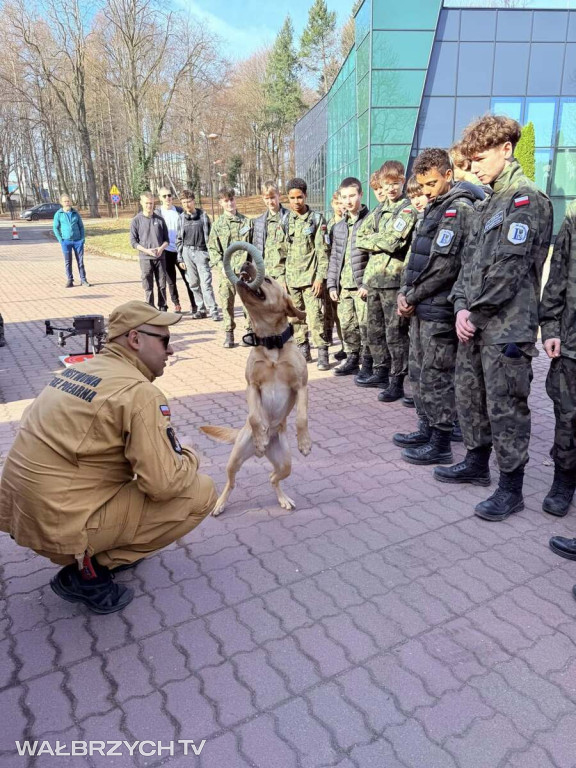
(210,137)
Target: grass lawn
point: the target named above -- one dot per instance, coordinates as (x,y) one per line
(109,237)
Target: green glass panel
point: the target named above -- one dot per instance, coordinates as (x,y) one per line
(363,21)
(560,204)
(564,181)
(397,89)
(543,162)
(567,124)
(415,14)
(393,126)
(363,129)
(379,153)
(363,164)
(399,50)
(363,94)
(363,58)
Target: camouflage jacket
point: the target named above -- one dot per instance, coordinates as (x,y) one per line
(558,305)
(386,233)
(226,230)
(308,246)
(276,244)
(499,282)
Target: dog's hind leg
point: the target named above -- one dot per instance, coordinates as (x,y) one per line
(243,449)
(278,452)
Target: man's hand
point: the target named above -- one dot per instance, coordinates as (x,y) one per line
(363,293)
(404,309)
(334,295)
(152,252)
(552,347)
(465,330)
(317,288)
(182,265)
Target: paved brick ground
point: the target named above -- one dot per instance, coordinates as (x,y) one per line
(380,625)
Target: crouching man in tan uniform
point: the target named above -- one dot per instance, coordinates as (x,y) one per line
(96,478)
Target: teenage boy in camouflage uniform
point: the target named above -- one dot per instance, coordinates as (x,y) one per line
(269,233)
(496,305)
(306,268)
(386,234)
(330,307)
(231,226)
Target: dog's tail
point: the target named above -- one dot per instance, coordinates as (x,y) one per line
(221,434)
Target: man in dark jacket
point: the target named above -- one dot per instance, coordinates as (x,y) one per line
(270,233)
(496,306)
(149,236)
(346,274)
(432,268)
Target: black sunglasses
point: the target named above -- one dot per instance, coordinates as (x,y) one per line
(165,339)
(168,195)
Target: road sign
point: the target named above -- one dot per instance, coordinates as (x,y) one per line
(114,190)
(115,198)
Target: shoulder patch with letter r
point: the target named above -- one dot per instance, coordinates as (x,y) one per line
(445,237)
(518,233)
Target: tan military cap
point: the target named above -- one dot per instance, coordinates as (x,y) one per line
(135,313)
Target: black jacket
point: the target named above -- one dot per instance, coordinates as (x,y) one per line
(358,258)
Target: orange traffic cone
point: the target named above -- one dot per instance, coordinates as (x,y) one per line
(15,233)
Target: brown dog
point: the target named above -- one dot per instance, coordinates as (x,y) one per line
(277,380)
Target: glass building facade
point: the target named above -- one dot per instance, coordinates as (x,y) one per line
(419,73)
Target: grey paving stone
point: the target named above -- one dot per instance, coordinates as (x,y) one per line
(312,742)
(487,742)
(344,721)
(231,698)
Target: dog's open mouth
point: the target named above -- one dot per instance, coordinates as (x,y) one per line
(246,278)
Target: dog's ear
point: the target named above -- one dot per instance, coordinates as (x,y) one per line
(292,310)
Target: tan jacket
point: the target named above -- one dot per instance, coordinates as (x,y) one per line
(90,431)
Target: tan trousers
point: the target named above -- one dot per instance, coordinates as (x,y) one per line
(131,526)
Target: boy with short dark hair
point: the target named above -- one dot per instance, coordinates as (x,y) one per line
(231,226)
(306,268)
(345,280)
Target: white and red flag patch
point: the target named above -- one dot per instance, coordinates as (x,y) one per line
(451,213)
(520,201)
(165,410)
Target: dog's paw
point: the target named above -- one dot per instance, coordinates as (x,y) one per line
(286,502)
(218,509)
(305,445)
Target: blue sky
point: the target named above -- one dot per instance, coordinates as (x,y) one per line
(252,24)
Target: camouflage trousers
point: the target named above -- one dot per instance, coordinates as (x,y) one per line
(227,297)
(352,315)
(387,331)
(305,301)
(492,400)
(431,370)
(561,388)
(331,318)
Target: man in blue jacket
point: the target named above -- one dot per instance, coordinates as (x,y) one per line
(69,230)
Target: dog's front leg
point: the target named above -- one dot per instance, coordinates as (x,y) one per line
(258,420)
(302,433)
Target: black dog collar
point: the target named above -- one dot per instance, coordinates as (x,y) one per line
(270,342)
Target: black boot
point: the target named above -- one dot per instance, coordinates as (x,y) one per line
(408,402)
(323,364)
(348,366)
(340,355)
(99,593)
(560,495)
(394,391)
(506,499)
(563,547)
(474,469)
(2,339)
(305,350)
(456,435)
(379,378)
(411,439)
(437,451)
(229,340)
(365,371)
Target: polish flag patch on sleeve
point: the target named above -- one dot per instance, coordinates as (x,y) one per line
(451,213)
(406,210)
(165,410)
(520,201)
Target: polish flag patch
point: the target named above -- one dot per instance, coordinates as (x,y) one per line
(165,410)
(451,213)
(406,210)
(520,201)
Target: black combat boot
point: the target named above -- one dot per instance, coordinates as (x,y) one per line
(408,402)
(365,371)
(474,469)
(411,439)
(349,366)
(456,435)
(340,355)
(2,339)
(563,547)
(437,451)
(394,391)
(560,495)
(323,364)
(379,378)
(229,340)
(305,350)
(506,499)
